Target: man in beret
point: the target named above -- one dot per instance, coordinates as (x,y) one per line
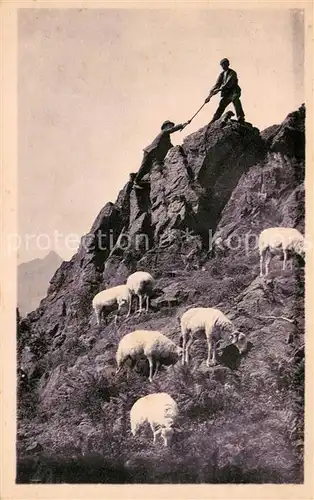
(157,150)
(227,85)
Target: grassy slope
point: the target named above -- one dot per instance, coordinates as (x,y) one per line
(240,425)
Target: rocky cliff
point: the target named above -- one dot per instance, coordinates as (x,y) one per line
(194,228)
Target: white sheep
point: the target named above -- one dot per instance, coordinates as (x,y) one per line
(106,299)
(276,240)
(160,411)
(154,345)
(216,326)
(141,284)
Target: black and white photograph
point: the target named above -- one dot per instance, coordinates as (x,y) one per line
(161,245)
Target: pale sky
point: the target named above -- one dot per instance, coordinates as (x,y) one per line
(94,87)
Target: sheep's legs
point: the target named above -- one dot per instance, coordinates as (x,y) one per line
(209,353)
(268,259)
(147,303)
(284,259)
(214,361)
(150,361)
(188,346)
(141,303)
(261,261)
(116,316)
(157,367)
(130,306)
(183,348)
(98,314)
(211,358)
(155,432)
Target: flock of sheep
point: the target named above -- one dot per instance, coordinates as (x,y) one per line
(160,410)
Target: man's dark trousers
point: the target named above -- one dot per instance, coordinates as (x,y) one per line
(149,159)
(225,101)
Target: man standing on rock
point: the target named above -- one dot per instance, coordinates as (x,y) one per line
(227,84)
(157,150)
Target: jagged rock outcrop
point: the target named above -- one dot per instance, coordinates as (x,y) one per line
(196,181)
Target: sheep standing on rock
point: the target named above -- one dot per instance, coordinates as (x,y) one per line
(106,299)
(217,327)
(140,284)
(276,240)
(154,345)
(160,411)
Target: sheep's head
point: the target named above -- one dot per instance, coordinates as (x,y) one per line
(125,300)
(239,340)
(171,356)
(167,434)
(300,248)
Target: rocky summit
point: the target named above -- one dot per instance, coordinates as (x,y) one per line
(194,226)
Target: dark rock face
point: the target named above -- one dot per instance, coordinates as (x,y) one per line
(225,183)
(199,176)
(289,137)
(268,195)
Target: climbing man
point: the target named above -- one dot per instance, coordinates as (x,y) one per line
(157,150)
(227,84)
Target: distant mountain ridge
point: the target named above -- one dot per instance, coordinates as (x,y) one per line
(33,281)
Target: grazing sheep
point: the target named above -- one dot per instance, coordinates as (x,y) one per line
(153,344)
(117,295)
(276,240)
(160,411)
(217,327)
(140,284)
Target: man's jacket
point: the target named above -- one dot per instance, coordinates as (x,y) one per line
(227,83)
(162,143)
